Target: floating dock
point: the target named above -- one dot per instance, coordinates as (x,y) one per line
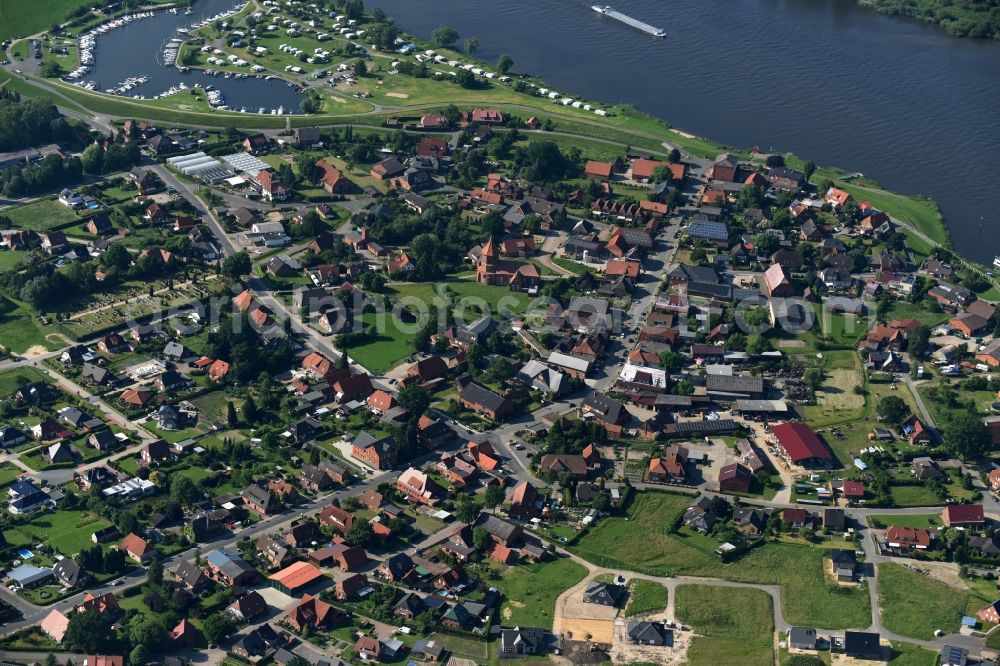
(608,11)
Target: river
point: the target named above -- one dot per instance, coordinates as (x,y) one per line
(911,108)
(137,49)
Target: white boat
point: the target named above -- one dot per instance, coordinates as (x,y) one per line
(996,261)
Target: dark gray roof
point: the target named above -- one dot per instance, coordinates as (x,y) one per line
(694,273)
(481,395)
(705,228)
(609,408)
(734,384)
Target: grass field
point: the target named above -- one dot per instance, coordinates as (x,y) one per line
(907,654)
(928,521)
(921,213)
(390,347)
(646,596)
(19,330)
(905,496)
(732,625)
(11,380)
(8,473)
(22,17)
(67,531)
(643,543)
(10,259)
(498,299)
(530,590)
(41,215)
(916,605)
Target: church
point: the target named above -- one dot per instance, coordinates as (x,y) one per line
(491,269)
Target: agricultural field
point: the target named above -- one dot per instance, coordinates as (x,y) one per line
(730,625)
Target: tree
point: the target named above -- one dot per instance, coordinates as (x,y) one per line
(671,361)
(675,156)
(471,44)
(250,411)
(444,36)
(361,68)
(809,169)
(813,377)
(154,573)
(218,626)
(504,63)
(765,244)
(183,489)
(967,437)
(892,410)
(662,174)
(88,632)
(916,344)
(493,497)
(139,655)
(231,419)
(481,539)
(466,79)
(93,159)
(360,533)
(466,511)
(415,399)
(237,265)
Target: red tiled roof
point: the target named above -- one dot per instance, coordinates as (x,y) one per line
(800,442)
(964,513)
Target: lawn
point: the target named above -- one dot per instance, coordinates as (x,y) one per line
(530,590)
(41,215)
(907,654)
(646,596)
(905,496)
(11,380)
(8,473)
(731,625)
(570,265)
(19,330)
(390,346)
(10,259)
(474,296)
(67,531)
(644,541)
(929,520)
(916,605)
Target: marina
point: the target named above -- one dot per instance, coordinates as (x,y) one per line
(607,10)
(151,67)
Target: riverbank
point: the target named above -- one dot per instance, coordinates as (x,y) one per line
(955,20)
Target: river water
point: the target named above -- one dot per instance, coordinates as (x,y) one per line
(911,108)
(137,49)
